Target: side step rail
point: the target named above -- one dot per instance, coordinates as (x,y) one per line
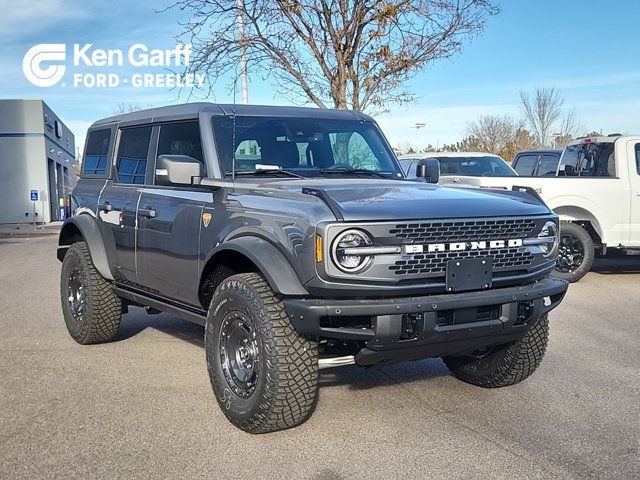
(183,312)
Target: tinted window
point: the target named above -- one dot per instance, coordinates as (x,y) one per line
(548,165)
(95,156)
(638,157)
(589,160)
(475,166)
(307,146)
(180,139)
(132,155)
(526,164)
(409,167)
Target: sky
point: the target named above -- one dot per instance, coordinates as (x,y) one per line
(588,51)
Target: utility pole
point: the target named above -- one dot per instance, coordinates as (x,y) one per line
(243,51)
(418,126)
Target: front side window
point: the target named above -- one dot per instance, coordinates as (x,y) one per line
(133,151)
(307,147)
(180,139)
(95,155)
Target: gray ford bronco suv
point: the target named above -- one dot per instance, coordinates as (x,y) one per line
(292,235)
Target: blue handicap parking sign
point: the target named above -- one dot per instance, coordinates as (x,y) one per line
(34,195)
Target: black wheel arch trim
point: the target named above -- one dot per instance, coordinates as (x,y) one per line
(88,228)
(275,267)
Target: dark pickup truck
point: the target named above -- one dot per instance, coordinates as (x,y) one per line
(293,236)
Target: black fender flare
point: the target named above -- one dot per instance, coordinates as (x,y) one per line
(88,228)
(270,261)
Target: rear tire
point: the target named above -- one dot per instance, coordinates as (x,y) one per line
(264,375)
(504,365)
(92,312)
(576,252)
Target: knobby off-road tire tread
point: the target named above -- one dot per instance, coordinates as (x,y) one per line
(291,360)
(103,309)
(520,359)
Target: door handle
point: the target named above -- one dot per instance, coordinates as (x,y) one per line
(105,207)
(147,212)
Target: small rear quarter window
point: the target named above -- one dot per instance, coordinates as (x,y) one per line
(96,154)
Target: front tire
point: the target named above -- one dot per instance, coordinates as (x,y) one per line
(504,365)
(264,375)
(576,252)
(92,312)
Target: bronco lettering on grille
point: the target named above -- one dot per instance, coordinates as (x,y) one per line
(462,246)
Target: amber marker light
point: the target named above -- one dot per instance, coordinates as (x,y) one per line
(319,254)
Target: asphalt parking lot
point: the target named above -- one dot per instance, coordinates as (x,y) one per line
(142,406)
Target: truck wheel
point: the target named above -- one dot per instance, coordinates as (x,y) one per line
(264,375)
(91,310)
(575,254)
(503,365)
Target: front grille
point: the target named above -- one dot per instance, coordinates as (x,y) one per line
(444,232)
(436,263)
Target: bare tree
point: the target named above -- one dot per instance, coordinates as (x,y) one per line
(570,128)
(354,54)
(128,107)
(541,110)
(492,132)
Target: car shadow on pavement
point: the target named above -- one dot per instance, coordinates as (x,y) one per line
(619,264)
(137,320)
(357,378)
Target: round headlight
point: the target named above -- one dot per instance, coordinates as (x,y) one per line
(549,231)
(345,254)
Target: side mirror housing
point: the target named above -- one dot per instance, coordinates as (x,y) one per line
(429,169)
(177,170)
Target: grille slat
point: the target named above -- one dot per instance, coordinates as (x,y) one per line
(434,264)
(430,263)
(436,232)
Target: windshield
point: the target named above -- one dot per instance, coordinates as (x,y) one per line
(475,166)
(307,147)
(589,160)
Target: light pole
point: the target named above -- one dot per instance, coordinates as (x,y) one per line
(243,51)
(418,126)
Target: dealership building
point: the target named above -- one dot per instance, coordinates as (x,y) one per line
(37,156)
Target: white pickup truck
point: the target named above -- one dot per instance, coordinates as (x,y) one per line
(596,194)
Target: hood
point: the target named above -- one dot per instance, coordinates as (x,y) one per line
(358,200)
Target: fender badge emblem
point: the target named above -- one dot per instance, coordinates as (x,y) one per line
(206,219)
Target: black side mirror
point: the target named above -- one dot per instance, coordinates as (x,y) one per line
(177,170)
(429,169)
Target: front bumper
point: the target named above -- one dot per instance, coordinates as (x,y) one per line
(448,324)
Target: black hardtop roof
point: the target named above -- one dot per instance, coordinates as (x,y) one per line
(192,110)
(540,150)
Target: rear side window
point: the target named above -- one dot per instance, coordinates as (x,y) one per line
(589,160)
(133,151)
(526,164)
(95,156)
(548,165)
(638,158)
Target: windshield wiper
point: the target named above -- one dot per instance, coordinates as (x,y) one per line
(265,171)
(352,170)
